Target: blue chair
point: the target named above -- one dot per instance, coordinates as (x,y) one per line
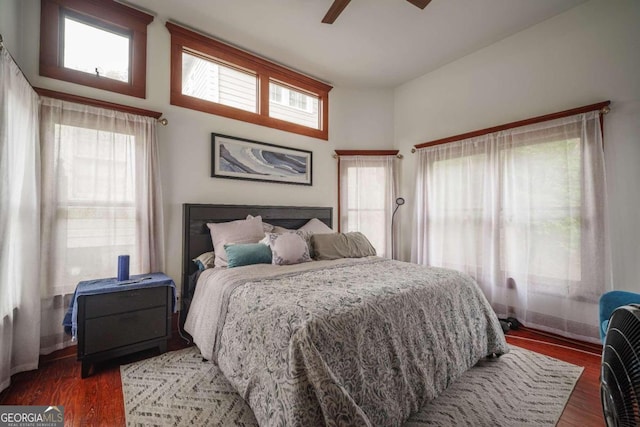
(609,302)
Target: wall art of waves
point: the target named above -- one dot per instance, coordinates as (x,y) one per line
(261,162)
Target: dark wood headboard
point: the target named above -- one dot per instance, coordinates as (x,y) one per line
(196,238)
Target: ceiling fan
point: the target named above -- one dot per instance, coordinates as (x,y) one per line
(338,6)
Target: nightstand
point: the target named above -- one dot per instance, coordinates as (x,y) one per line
(119,318)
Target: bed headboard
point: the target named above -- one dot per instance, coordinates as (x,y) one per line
(196,238)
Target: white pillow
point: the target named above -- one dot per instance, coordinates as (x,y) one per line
(288,248)
(316,226)
(279,230)
(205,260)
(240,231)
(265,225)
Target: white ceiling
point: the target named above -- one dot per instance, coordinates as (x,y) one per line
(373,43)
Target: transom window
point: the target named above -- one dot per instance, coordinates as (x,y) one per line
(213,81)
(213,77)
(287,103)
(110,61)
(97,44)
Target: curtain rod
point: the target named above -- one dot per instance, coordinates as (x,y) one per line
(102,104)
(603,107)
(339,153)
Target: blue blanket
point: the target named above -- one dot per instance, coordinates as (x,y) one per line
(103,286)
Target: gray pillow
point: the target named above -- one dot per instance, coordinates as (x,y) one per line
(341,245)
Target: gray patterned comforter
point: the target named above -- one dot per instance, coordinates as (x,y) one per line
(356,342)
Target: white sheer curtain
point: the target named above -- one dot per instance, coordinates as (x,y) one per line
(523,212)
(19,223)
(368,188)
(101,198)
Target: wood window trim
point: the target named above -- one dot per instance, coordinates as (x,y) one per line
(340,153)
(602,106)
(105,13)
(96,103)
(266,71)
(367,152)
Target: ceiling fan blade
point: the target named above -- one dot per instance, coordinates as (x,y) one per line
(335,10)
(420,3)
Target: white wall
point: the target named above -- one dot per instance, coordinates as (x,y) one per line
(9,26)
(357,118)
(588,54)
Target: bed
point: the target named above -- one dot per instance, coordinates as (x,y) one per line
(353,341)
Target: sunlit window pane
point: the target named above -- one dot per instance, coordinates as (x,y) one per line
(218,83)
(88,48)
(96,215)
(286,103)
(366,209)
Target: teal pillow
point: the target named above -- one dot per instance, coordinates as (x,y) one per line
(247,254)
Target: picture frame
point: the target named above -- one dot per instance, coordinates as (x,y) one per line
(245,159)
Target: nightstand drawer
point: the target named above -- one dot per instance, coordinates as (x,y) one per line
(109,332)
(120,302)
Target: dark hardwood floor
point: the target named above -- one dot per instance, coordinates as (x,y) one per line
(97,400)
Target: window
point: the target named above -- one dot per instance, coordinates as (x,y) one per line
(101,198)
(367,193)
(522,211)
(216,82)
(286,103)
(96,206)
(550,171)
(94,43)
(110,61)
(213,77)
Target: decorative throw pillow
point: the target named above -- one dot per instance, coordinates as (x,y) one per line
(247,254)
(316,226)
(341,245)
(288,248)
(204,261)
(240,231)
(279,230)
(266,227)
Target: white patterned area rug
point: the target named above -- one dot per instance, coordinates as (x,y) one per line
(521,388)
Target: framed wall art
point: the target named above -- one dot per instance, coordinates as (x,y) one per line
(238,158)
